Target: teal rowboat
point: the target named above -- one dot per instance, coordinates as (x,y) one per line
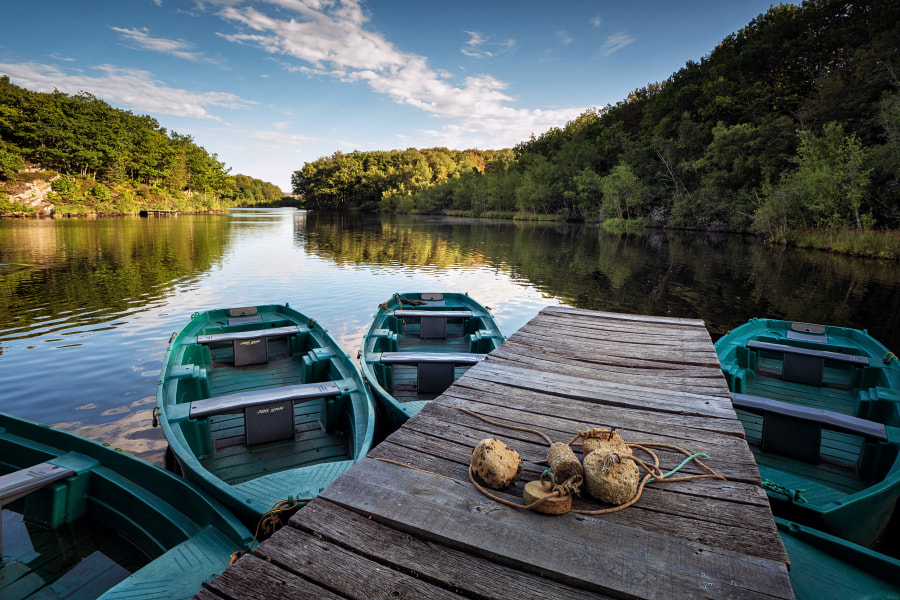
(819,409)
(420,343)
(835,368)
(262,407)
(82,520)
(825,566)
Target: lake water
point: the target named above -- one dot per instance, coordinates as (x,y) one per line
(87,306)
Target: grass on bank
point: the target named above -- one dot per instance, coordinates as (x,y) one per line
(871,244)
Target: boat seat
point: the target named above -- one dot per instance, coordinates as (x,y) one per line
(795,431)
(250,347)
(269,413)
(802,365)
(19,484)
(435,370)
(433,323)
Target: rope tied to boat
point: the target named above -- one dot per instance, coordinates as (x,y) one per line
(794,496)
(889,357)
(270,522)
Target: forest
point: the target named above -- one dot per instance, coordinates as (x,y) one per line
(106,160)
(790,124)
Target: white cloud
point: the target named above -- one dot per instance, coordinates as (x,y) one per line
(564,38)
(596,21)
(480,46)
(131,88)
(615,43)
(141,38)
(331,39)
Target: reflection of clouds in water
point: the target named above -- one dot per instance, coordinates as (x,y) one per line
(132,433)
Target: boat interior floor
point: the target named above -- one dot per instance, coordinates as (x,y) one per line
(233,461)
(836,399)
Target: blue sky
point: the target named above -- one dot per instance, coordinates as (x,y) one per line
(271,85)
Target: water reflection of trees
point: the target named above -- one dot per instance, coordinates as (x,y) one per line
(90,269)
(723,279)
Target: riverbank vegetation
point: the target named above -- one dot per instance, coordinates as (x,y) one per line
(99,159)
(789,128)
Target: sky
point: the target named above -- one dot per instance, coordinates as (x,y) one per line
(269,85)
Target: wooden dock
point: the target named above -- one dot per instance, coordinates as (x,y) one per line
(423,531)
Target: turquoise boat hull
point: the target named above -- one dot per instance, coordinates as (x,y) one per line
(170,535)
(399,388)
(297,412)
(810,397)
(825,566)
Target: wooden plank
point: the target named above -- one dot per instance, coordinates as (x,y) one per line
(343,571)
(622,394)
(251,578)
(668,322)
(562,550)
(438,565)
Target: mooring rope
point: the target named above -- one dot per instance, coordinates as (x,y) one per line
(270,522)
(486,420)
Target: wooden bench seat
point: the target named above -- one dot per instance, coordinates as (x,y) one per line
(251,347)
(853,359)
(242,400)
(20,483)
(826,418)
(445,314)
(803,365)
(795,431)
(231,336)
(434,370)
(413,358)
(268,413)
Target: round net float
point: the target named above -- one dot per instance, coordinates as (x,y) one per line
(497,465)
(609,478)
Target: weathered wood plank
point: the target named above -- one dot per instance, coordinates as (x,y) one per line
(595,315)
(251,578)
(343,571)
(622,564)
(601,392)
(707,381)
(431,562)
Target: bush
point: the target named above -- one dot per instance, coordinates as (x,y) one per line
(65,186)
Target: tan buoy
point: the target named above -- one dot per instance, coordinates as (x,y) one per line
(497,465)
(605,440)
(611,478)
(552,504)
(563,461)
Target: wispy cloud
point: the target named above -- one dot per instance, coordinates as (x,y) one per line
(596,21)
(480,46)
(141,38)
(331,39)
(131,88)
(564,38)
(615,43)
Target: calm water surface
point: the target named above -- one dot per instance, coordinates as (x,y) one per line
(87,306)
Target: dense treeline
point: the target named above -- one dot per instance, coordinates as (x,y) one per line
(113,159)
(381,179)
(793,122)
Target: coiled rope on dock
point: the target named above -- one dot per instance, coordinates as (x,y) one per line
(553,488)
